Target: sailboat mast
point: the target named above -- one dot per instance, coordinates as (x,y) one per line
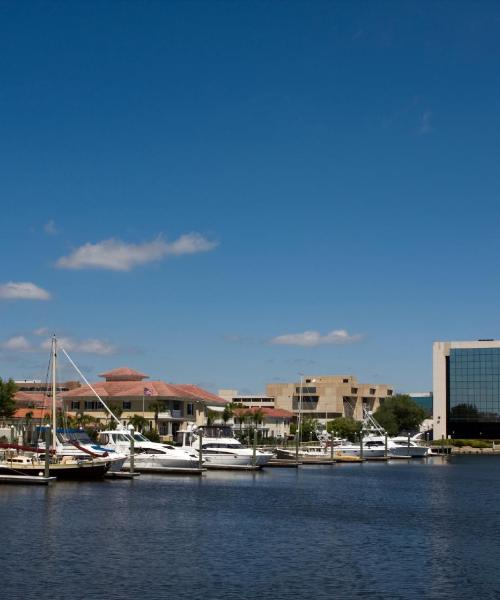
(54,419)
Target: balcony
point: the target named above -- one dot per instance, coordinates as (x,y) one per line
(170,414)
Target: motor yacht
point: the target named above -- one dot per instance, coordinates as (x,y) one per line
(220,448)
(148,454)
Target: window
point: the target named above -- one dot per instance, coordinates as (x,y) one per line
(127,405)
(345,380)
(190,408)
(177,405)
(75,405)
(354,390)
(389,392)
(372,391)
(92,405)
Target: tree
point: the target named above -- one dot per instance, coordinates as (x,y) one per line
(227,413)
(158,407)
(7,403)
(139,423)
(399,413)
(345,427)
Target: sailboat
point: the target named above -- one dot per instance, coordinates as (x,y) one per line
(25,460)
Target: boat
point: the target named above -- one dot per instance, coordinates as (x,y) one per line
(409,447)
(148,454)
(220,448)
(26,460)
(77,443)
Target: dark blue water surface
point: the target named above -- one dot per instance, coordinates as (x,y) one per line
(418,530)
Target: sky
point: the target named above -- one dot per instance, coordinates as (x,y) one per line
(234,193)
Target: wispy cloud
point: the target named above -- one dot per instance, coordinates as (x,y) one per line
(90,346)
(116,255)
(22,291)
(425,123)
(41,331)
(17,343)
(50,228)
(314,338)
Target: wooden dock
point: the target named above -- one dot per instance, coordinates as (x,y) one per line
(27,479)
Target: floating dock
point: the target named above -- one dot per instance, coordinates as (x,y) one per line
(283,462)
(27,479)
(165,471)
(233,467)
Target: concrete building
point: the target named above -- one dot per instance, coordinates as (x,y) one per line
(251,400)
(466,389)
(328,397)
(165,405)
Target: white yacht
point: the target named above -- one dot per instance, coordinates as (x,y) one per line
(413,449)
(148,454)
(220,448)
(77,443)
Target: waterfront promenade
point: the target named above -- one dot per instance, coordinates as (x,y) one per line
(398,530)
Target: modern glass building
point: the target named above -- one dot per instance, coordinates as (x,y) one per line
(466,378)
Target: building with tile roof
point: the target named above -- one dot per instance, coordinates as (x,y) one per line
(166,406)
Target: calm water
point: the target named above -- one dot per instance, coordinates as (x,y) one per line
(350,531)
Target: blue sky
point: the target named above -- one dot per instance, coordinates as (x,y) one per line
(188,188)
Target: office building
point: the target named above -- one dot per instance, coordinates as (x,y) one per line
(327,397)
(466,389)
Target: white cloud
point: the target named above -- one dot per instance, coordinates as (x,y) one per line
(22,291)
(41,331)
(50,227)
(425,123)
(116,255)
(314,338)
(18,343)
(90,346)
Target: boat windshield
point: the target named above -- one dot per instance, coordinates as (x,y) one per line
(74,436)
(138,437)
(217,431)
(121,437)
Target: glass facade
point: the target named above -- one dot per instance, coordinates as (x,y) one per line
(473,393)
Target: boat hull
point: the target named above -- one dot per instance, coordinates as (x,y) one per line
(66,472)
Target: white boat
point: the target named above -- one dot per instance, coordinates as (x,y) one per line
(148,454)
(77,443)
(220,448)
(411,448)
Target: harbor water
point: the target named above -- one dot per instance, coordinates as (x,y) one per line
(401,530)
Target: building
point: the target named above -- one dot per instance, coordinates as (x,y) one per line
(423,399)
(166,406)
(466,389)
(327,397)
(251,400)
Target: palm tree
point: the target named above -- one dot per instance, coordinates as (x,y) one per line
(158,407)
(139,422)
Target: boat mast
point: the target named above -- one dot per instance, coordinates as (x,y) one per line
(299,432)
(54,417)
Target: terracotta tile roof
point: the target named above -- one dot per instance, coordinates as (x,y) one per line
(124,374)
(36,398)
(113,389)
(36,413)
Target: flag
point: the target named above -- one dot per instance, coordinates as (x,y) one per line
(147,392)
